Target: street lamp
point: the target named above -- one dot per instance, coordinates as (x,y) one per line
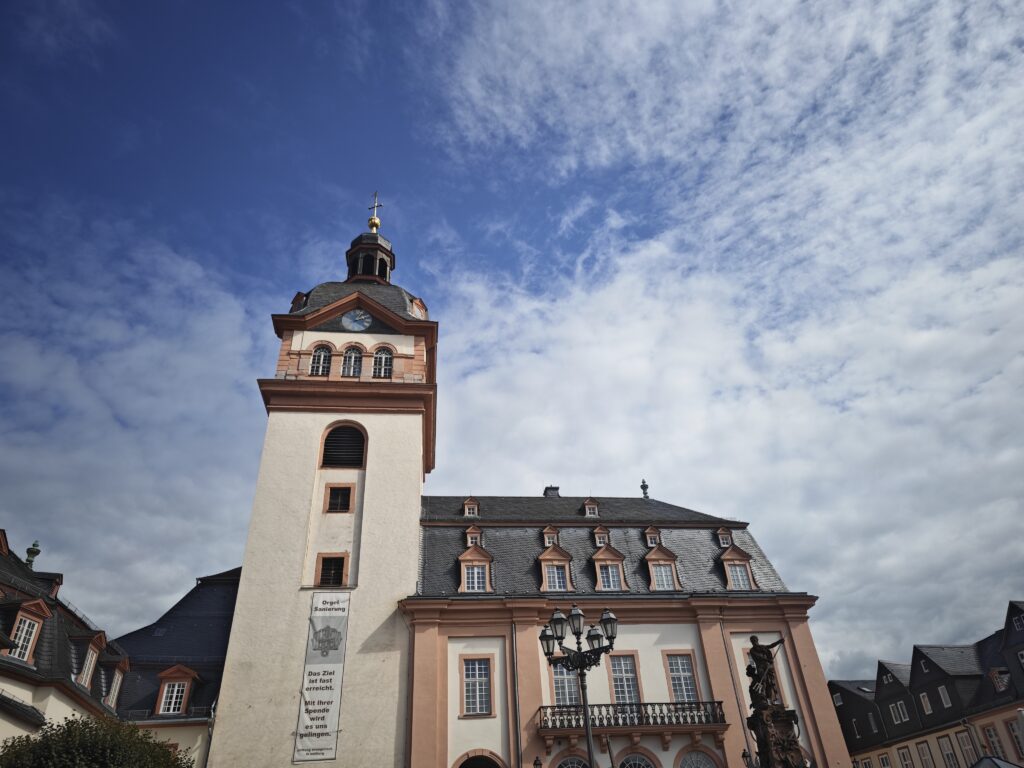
(579,660)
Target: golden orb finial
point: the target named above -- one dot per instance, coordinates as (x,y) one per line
(373,221)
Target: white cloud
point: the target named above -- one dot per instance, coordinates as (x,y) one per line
(820,333)
(131,422)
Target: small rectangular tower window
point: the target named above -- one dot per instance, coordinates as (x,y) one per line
(339,498)
(332,569)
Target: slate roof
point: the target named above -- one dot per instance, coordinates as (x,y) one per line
(193,632)
(900,671)
(63,637)
(856,687)
(516,571)
(21,710)
(953,659)
(395,298)
(568,509)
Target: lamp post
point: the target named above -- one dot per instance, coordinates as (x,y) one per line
(579,660)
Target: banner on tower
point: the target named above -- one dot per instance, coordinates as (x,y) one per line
(316,737)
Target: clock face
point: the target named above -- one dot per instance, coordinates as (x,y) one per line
(356,320)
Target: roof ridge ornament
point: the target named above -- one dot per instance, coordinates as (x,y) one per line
(644,487)
(373,221)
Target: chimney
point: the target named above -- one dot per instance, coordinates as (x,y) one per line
(551,492)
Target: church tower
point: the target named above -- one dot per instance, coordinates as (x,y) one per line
(318,661)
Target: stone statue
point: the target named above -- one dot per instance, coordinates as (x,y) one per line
(775,727)
(764,686)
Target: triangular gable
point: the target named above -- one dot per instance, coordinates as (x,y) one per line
(355,300)
(476,552)
(733,552)
(661,554)
(608,552)
(37,608)
(178,671)
(554,552)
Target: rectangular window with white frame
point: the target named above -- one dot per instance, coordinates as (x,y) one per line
(872,723)
(24,636)
(739,576)
(837,699)
(88,666)
(926,704)
(995,744)
(567,686)
(663,581)
(115,689)
(611,576)
(556,578)
(856,731)
(948,754)
(625,684)
(682,680)
(476,578)
(967,747)
(883,761)
(902,707)
(1013,726)
(924,754)
(476,686)
(866,762)
(944,697)
(173,700)
(906,759)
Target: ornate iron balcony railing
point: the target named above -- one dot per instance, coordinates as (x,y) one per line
(658,715)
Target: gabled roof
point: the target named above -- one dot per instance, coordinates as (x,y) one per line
(566,509)
(900,671)
(864,689)
(954,660)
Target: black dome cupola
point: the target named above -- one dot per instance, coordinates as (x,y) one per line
(369,257)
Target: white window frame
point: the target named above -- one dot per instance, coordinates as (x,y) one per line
(948,757)
(923,665)
(25,631)
(88,667)
(967,749)
(115,689)
(724,540)
(663,579)
(837,699)
(566,685)
(352,363)
(1018,622)
(738,572)
(611,576)
(871,722)
(471,510)
(557,577)
(1016,738)
(320,361)
(926,704)
(652,540)
(856,730)
(174,696)
(383,364)
(995,744)
(682,679)
(944,697)
(472,539)
(476,687)
(476,577)
(924,754)
(902,706)
(625,679)
(550,539)
(590,510)
(883,761)
(601,539)
(906,758)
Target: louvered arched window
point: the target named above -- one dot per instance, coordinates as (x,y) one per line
(344,446)
(352,362)
(383,362)
(320,364)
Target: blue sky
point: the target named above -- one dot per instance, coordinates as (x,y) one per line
(767,256)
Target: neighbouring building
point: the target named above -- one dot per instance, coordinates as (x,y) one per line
(947,708)
(54,662)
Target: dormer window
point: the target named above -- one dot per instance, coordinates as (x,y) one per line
(652,536)
(738,575)
(590,508)
(601,536)
(550,537)
(887,678)
(176,686)
(320,363)
(724,538)
(475,564)
(554,565)
(88,667)
(27,625)
(473,536)
(470,508)
(115,688)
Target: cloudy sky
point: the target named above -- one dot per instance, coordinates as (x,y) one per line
(766,255)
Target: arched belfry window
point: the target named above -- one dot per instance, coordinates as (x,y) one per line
(382,269)
(344,446)
(320,364)
(383,363)
(352,362)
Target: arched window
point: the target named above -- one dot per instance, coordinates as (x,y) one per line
(352,362)
(573,761)
(320,364)
(696,759)
(383,362)
(636,761)
(344,446)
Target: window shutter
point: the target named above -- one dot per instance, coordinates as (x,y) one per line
(343,447)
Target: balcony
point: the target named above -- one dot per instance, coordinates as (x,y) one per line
(665,719)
